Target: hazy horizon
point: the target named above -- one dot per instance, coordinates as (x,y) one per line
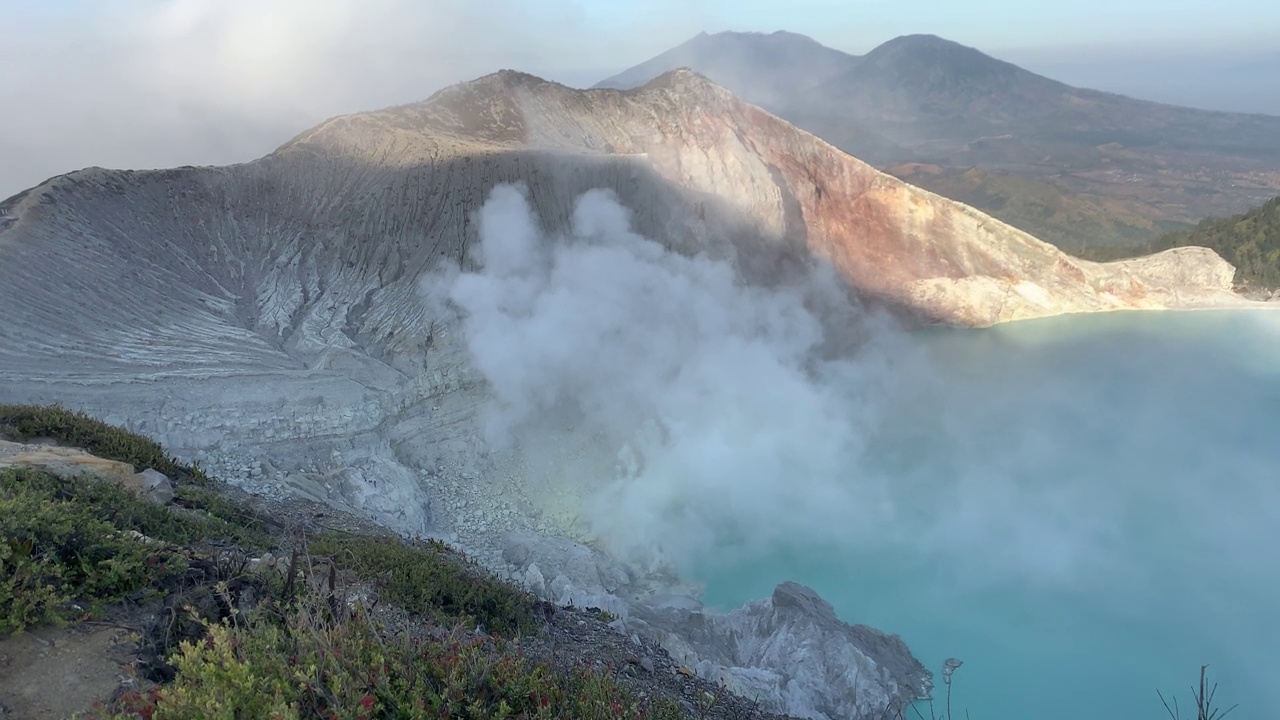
(162,83)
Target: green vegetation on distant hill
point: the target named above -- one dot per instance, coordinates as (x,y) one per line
(1073,222)
(1250,241)
(1069,165)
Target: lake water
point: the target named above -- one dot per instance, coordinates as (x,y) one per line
(1088,509)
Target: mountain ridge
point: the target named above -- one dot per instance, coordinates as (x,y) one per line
(510,111)
(921,99)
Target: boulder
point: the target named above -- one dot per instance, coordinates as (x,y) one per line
(796,655)
(152,485)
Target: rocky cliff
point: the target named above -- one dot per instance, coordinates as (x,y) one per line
(939,260)
(276,302)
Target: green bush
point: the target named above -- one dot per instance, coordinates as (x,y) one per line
(309,668)
(429,578)
(26,422)
(67,540)
(220,520)
(57,550)
(211,519)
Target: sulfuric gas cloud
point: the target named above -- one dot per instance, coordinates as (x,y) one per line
(739,418)
(1125,467)
(720,405)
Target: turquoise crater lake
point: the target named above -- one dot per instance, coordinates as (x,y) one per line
(1087,511)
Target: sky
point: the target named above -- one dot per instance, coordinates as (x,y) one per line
(160,83)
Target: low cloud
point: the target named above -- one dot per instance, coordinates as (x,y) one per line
(161,83)
(722,409)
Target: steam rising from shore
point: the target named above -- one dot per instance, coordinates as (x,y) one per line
(725,413)
(729,424)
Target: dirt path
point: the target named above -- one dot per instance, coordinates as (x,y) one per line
(54,673)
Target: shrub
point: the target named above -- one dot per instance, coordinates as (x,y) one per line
(67,540)
(220,520)
(57,550)
(26,422)
(307,667)
(431,579)
(1202,701)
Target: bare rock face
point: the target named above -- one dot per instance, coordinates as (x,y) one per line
(939,260)
(150,484)
(270,311)
(65,462)
(792,651)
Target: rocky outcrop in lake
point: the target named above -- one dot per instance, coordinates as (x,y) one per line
(789,652)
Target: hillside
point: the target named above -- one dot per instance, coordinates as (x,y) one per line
(121,603)
(924,99)
(1076,222)
(298,275)
(1249,240)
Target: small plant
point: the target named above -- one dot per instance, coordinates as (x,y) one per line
(222,521)
(430,578)
(68,542)
(312,666)
(949,667)
(604,615)
(1202,699)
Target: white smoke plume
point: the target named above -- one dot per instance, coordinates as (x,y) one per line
(931,474)
(729,426)
(725,417)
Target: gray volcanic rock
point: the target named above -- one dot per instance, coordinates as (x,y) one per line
(271,310)
(792,651)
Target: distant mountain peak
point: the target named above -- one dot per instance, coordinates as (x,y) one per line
(923,40)
(682,77)
(509,78)
(758,35)
(760,67)
(928,63)
(927,48)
